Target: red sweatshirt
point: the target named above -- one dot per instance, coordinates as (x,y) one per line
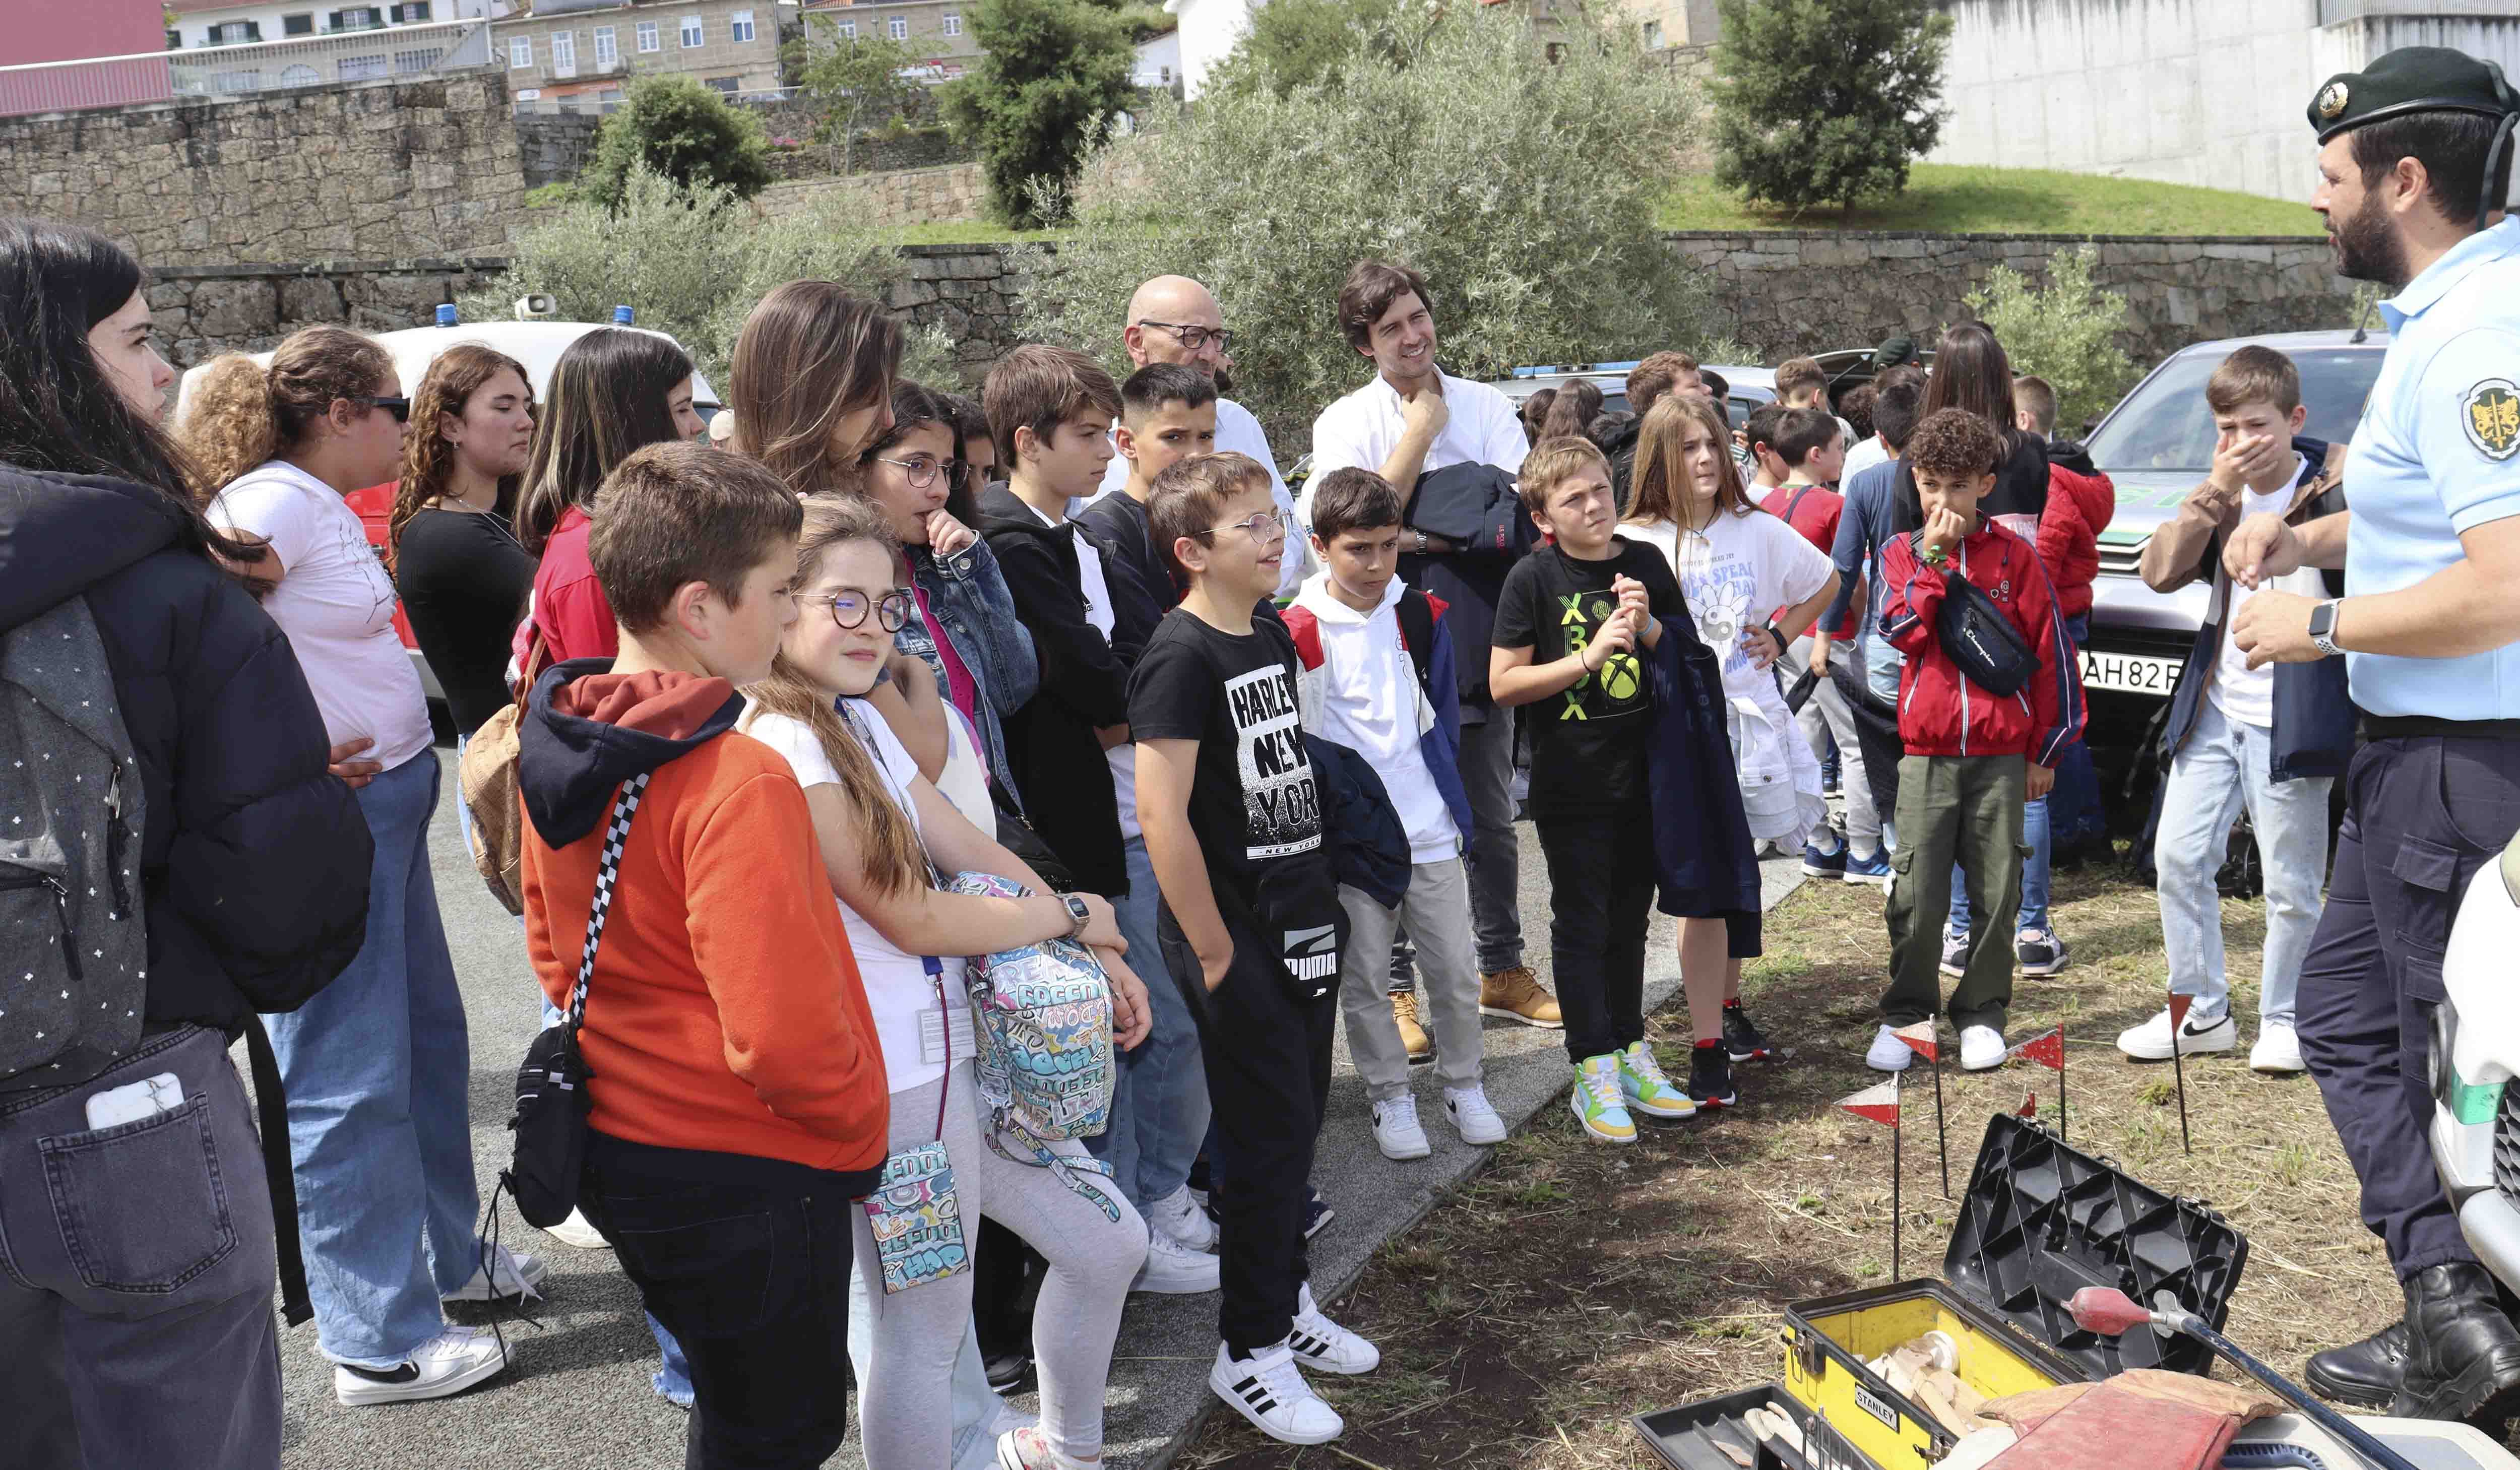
(570,606)
(1817,510)
(1942,713)
(2079,508)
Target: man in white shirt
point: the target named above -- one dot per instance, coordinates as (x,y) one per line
(1173,319)
(1410,419)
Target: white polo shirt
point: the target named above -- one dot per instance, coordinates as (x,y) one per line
(1360,431)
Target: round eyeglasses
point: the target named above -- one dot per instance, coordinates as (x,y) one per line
(922,469)
(850,608)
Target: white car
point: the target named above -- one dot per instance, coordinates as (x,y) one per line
(2475,1058)
(536,344)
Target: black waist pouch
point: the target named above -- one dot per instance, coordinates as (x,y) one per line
(1980,640)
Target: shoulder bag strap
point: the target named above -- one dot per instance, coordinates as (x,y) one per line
(608,870)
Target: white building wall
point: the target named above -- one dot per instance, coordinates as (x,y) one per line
(1208,30)
(1159,60)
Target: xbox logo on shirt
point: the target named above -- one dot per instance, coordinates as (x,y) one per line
(1620,676)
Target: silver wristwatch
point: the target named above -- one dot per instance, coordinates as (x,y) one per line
(2322,628)
(1078,914)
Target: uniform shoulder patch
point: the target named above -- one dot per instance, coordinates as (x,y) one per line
(2489,413)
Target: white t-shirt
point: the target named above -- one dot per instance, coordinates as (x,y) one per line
(2246,696)
(1360,431)
(1862,457)
(1237,432)
(337,604)
(898,987)
(1371,707)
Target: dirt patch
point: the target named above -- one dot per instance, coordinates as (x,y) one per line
(1574,1284)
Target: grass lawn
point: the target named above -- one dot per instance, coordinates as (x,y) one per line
(1574,1283)
(1957,199)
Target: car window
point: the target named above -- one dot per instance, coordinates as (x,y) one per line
(2166,426)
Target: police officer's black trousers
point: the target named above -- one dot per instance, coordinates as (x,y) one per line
(2424,813)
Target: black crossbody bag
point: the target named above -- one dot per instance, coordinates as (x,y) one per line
(552,1100)
(1978,638)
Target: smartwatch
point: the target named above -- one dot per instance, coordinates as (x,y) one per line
(1421,543)
(1078,914)
(2322,628)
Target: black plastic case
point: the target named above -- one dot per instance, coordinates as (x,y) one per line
(1685,1437)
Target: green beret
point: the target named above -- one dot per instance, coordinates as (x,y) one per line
(2412,79)
(1893,351)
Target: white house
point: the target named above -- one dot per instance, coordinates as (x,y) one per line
(195,26)
(1159,60)
(1207,32)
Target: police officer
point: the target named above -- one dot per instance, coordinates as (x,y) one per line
(2413,162)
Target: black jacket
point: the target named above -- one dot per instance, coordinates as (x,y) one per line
(253,860)
(1050,741)
(1477,507)
(1368,848)
(1704,862)
(1615,433)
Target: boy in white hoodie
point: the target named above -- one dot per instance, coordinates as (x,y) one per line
(1378,677)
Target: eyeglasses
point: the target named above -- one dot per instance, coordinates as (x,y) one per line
(400,407)
(850,608)
(923,471)
(1196,338)
(1265,527)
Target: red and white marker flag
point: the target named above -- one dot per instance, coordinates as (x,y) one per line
(1920,1038)
(1879,1103)
(2179,1008)
(2029,1108)
(2048,1050)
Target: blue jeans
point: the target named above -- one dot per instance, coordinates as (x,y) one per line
(377,1067)
(2076,810)
(1160,1107)
(2033,878)
(2220,772)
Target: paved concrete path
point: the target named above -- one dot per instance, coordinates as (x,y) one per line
(578,1394)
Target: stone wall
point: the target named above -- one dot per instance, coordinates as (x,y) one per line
(553,146)
(363,171)
(1791,292)
(969,292)
(202,312)
(903,197)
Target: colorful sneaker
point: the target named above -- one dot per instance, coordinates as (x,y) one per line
(1412,1034)
(2041,953)
(1473,1117)
(1955,951)
(1269,1389)
(1397,1131)
(1325,1346)
(516,1273)
(1824,864)
(1742,1038)
(1874,869)
(1515,995)
(1710,1076)
(1597,1101)
(1644,1086)
(450,1363)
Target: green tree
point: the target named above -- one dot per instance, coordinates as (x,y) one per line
(2066,333)
(679,128)
(1052,73)
(1523,189)
(1295,43)
(1826,101)
(856,83)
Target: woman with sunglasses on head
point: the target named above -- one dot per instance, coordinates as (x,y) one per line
(378,1065)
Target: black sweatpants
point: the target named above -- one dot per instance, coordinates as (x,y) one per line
(1600,897)
(1268,1060)
(1877,735)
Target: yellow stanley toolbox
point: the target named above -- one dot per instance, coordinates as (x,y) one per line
(2041,1220)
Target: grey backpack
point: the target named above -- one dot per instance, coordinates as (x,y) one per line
(74,941)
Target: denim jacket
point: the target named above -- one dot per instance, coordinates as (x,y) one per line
(968,597)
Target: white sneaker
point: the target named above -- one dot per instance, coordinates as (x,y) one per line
(450,1363)
(2277,1050)
(1473,1117)
(1178,1215)
(516,1273)
(579,1232)
(1174,1270)
(1397,1131)
(1267,1388)
(1888,1053)
(2150,1041)
(1982,1048)
(1322,1344)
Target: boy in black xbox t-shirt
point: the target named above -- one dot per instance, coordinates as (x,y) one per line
(1568,627)
(1251,924)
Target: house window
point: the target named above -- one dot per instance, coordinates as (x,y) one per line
(1653,35)
(953,25)
(740,26)
(297,26)
(691,32)
(235,32)
(362,67)
(174,40)
(411,13)
(521,51)
(607,54)
(648,37)
(724,85)
(424,60)
(1168,77)
(848,30)
(300,76)
(563,52)
(899,27)
(357,17)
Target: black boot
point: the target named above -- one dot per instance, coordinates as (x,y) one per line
(2462,1354)
(2364,1375)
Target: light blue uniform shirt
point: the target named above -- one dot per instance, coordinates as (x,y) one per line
(2437,455)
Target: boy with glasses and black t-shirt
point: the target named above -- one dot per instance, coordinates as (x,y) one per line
(1251,926)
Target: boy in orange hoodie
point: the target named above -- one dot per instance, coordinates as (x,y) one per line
(738,1096)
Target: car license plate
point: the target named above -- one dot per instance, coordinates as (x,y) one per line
(2131,673)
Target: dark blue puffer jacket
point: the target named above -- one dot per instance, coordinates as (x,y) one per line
(255,859)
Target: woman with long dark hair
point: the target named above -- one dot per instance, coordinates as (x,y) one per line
(614,392)
(379,1066)
(250,871)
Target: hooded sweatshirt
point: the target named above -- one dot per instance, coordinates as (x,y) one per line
(1361,689)
(725,1014)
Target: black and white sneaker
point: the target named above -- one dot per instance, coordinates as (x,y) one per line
(2041,953)
(448,1363)
(1317,1213)
(1323,1344)
(1743,1039)
(1267,1388)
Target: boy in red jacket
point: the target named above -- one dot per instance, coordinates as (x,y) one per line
(1972,756)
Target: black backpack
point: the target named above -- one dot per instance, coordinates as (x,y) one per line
(1978,637)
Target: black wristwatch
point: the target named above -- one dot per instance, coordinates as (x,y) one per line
(2322,628)
(1078,914)
(1770,630)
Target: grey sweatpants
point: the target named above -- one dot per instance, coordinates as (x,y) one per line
(1437,910)
(904,1417)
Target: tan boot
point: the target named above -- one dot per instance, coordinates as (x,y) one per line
(1412,1036)
(1516,996)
